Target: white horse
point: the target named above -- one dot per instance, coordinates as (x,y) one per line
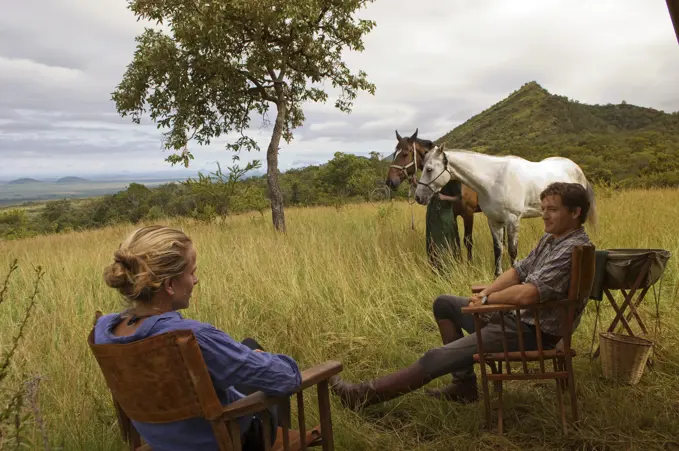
(509,188)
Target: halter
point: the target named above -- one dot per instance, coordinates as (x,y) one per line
(413,180)
(445,169)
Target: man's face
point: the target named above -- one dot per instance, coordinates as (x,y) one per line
(558,219)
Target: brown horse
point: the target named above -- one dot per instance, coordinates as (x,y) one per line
(403,167)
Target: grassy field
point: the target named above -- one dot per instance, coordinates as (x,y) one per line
(350,284)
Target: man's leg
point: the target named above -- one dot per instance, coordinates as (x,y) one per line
(454,357)
(451,322)
(458,357)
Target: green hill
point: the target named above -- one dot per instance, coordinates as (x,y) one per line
(625,144)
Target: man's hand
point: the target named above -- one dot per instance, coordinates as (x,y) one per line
(475,300)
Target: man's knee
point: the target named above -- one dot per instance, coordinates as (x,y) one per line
(448,307)
(455,356)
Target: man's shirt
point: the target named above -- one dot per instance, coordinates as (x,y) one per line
(548,267)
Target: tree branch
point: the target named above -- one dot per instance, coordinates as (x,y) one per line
(259,86)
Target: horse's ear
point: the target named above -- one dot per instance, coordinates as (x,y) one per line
(414,137)
(398,136)
(442,147)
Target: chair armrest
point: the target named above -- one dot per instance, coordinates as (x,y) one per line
(258,401)
(253,403)
(479,287)
(490,308)
(319,373)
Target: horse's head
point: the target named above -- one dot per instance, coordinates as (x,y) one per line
(404,164)
(435,175)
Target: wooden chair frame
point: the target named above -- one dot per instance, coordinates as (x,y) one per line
(192,372)
(582,277)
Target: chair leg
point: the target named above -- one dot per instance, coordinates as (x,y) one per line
(500,407)
(560,388)
(486,397)
(326,420)
(482,364)
(571,387)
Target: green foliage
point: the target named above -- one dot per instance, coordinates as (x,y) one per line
(14,223)
(18,395)
(346,178)
(622,145)
(220,62)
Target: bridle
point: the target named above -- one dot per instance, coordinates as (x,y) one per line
(445,169)
(404,169)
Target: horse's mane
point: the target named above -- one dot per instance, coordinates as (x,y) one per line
(429,144)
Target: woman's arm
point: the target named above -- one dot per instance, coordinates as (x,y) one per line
(449,198)
(232,363)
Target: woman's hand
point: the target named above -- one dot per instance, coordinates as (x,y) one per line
(449,198)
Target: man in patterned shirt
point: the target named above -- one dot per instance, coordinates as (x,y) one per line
(542,276)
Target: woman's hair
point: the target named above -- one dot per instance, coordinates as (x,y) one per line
(147,258)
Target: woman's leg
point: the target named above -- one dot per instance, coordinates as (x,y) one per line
(252,439)
(252,344)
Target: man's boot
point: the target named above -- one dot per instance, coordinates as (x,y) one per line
(356,396)
(463,391)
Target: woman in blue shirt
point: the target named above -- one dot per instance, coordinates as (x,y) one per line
(155,271)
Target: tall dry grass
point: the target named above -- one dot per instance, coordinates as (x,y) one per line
(351,284)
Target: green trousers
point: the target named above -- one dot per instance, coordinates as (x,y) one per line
(441,233)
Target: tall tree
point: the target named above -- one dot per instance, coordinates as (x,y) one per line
(220,62)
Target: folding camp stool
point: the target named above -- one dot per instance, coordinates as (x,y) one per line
(629,270)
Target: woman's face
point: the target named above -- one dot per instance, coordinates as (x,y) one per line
(182,285)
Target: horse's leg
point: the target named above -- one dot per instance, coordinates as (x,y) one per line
(497,230)
(468,219)
(513,239)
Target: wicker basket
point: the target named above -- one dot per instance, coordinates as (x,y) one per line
(624,357)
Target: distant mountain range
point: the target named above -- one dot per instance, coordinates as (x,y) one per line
(181,174)
(23,181)
(72,179)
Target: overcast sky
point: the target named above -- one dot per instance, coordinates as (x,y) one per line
(435,64)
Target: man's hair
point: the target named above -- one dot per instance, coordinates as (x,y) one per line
(572,195)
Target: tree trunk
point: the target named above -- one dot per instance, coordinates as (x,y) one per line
(275,193)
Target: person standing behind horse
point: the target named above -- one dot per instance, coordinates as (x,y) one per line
(441,233)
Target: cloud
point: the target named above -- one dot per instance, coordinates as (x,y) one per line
(435,64)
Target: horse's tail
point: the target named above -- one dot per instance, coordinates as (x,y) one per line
(592,217)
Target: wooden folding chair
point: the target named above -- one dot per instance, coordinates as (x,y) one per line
(164,378)
(582,277)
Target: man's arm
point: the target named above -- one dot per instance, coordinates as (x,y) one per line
(505,280)
(521,294)
(515,294)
